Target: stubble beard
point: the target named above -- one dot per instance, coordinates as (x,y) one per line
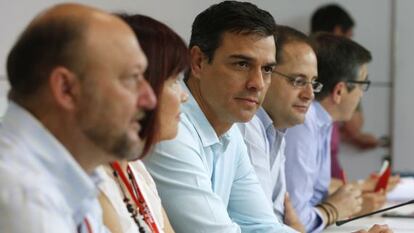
(121,147)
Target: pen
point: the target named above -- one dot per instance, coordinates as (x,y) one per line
(343,177)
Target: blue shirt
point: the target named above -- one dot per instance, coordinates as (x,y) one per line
(206,182)
(266,148)
(43,189)
(308,171)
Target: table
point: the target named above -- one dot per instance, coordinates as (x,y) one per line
(398,225)
(403,192)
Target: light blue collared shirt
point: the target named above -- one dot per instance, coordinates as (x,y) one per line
(266,146)
(308,165)
(43,189)
(206,182)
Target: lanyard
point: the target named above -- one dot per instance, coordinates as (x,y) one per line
(87,224)
(136,195)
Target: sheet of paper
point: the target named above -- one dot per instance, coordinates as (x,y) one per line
(403,192)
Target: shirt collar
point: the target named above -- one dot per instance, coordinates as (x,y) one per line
(268,122)
(323,118)
(264,118)
(74,183)
(203,127)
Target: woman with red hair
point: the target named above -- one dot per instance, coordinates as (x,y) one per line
(129,199)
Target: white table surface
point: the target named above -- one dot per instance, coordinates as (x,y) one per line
(398,225)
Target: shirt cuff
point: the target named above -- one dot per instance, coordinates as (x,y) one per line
(320,223)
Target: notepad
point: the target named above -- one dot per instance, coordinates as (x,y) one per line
(404,191)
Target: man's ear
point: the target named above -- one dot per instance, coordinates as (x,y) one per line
(65,87)
(197,61)
(338,92)
(337,30)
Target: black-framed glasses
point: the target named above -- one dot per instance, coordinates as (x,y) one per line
(301,82)
(363,84)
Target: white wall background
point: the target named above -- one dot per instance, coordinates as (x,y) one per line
(403,111)
(373,30)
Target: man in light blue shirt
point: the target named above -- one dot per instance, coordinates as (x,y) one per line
(342,69)
(285,105)
(76,95)
(204,176)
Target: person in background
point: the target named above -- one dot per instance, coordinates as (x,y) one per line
(334,19)
(204,175)
(77,94)
(168,57)
(342,69)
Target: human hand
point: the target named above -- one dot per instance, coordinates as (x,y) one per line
(372,201)
(368,185)
(377,229)
(347,200)
(392,182)
(291,218)
(366,141)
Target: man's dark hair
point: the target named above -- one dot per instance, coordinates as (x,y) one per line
(42,47)
(229,16)
(325,18)
(286,35)
(339,59)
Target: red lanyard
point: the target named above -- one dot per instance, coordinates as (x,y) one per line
(136,195)
(87,224)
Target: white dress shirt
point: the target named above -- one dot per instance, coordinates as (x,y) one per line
(266,147)
(206,181)
(43,189)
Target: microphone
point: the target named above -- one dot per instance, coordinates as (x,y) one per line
(341,222)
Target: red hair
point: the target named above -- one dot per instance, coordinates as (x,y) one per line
(167,56)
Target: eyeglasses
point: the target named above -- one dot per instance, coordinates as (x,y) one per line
(301,82)
(363,84)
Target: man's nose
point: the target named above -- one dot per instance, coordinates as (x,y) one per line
(308,92)
(146,97)
(256,80)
